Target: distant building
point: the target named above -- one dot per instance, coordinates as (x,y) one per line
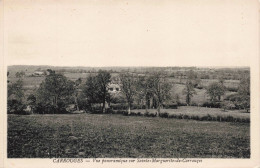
(114,88)
(38,73)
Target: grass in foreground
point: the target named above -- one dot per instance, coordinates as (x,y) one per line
(93,135)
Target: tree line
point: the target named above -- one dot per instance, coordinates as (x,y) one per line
(56,92)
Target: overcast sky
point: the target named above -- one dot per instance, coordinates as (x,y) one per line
(130,33)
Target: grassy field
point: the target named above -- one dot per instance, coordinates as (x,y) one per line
(110,135)
(192,112)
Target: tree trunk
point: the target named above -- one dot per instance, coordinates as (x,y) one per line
(159,110)
(76,102)
(104,106)
(129,109)
(146,102)
(188,99)
(56,101)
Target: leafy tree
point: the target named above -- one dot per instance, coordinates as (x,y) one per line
(128,83)
(96,89)
(91,91)
(192,82)
(55,90)
(193,78)
(177,99)
(189,91)
(15,97)
(103,80)
(16,90)
(221,79)
(244,91)
(50,71)
(76,87)
(144,88)
(215,90)
(161,89)
(20,74)
(31,100)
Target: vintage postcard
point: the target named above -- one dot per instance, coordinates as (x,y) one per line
(118,83)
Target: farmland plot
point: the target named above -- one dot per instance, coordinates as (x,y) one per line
(109,135)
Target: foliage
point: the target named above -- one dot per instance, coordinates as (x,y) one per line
(95,89)
(15,106)
(16,90)
(161,89)
(15,97)
(244,91)
(199,113)
(103,79)
(144,87)
(55,92)
(20,74)
(90,90)
(215,90)
(128,87)
(189,91)
(241,99)
(193,78)
(192,82)
(212,104)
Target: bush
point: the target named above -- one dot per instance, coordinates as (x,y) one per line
(164,115)
(172,106)
(50,109)
(118,106)
(15,107)
(231,89)
(182,104)
(212,104)
(193,104)
(135,106)
(199,87)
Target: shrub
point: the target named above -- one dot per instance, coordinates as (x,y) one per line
(15,107)
(185,117)
(212,104)
(164,115)
(193,104)
(172,106)
(118,106)
(199,87)
(146,114)
(232,89)
(135,106)
(182,104)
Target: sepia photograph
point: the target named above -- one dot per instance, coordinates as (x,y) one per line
(118,83)
(130,112)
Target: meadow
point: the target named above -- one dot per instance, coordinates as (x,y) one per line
(199,113)
(118,136)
